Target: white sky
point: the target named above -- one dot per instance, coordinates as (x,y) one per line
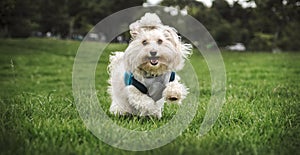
(209,2)
(241,2)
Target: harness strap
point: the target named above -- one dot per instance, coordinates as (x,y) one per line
(172,77)
(139,86)
(130,80)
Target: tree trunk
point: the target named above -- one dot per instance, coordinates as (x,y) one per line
(71,27)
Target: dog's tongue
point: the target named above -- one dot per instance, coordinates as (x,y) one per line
(154,61)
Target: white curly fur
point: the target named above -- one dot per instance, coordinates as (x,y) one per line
(148,35)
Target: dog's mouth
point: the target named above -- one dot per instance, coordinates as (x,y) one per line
(153,66)
(153,60)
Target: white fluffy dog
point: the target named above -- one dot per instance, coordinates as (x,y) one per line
(143,77)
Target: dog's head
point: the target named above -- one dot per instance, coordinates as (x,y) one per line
(155,48)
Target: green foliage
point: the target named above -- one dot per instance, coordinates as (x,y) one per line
(223,34)
(18,18)
(228,24)
(290,37)
(261,42)
(181,3)
(60,17)
(223,8)
(38,114)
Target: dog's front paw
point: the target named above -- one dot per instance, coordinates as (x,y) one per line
(173,96)
(175,92)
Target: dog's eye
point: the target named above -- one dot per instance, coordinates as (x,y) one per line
(144,42)
(159,41)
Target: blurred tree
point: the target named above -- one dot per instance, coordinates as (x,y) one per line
(181,3)
(261,42)
(60,17)
(18,17)
(240,17)
(273,16)
(223,34)
(223,8)
(203,14)
(54,17)
(6,11)
(270,25)
(290,37)
(99,9)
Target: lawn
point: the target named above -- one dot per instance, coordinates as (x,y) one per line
(38,114)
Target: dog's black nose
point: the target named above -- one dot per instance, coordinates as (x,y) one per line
(153,53)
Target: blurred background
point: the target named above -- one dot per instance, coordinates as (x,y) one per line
(253,25)
(39,40)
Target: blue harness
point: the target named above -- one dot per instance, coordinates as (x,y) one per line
(130,80)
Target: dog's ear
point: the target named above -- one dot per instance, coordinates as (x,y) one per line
(171,34)
(186,50)
(134,29)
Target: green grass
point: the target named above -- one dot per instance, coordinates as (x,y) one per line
(38,116)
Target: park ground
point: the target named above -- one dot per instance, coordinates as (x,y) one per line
(38,115)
